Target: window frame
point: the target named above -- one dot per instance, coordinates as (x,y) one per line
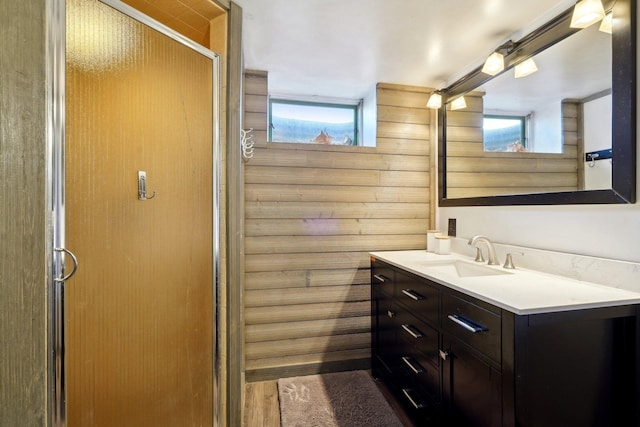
(515,117)
(346,104)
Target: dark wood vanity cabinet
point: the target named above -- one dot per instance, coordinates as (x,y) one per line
(453,360)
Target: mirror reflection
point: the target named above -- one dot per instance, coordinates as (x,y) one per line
(531,134)
(545,130)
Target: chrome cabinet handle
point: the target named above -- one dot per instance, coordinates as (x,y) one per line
(391,314)
(380,278)
(412,331)
(471,327)
(75,265)
(412,294)
(444,355)
(407,394)
(408,361)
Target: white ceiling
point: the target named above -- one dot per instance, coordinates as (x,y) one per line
(342,48)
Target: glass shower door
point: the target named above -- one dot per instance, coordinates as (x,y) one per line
(140,317)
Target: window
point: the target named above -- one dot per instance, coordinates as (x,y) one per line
(504,133)
(313,122)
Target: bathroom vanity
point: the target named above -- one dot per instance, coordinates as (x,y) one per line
(465,344)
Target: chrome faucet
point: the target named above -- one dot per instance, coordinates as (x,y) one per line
(491,250)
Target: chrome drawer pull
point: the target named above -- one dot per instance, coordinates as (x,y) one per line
(472,327)
(444,355)
(407,394)
(412,331)
(413,295)
(391,314)
(380,278)
(414,368)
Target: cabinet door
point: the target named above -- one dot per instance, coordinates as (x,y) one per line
(472,388)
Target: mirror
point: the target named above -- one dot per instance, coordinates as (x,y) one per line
(574,138)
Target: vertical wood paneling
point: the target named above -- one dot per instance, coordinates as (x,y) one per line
(23,210)
(472,172)
(312,214)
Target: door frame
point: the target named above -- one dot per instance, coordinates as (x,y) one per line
(55,200)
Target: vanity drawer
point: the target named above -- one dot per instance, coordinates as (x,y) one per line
(474,325)
(418,296)
(415,337)
(382,280)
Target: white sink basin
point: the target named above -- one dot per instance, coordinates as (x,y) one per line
(464,269)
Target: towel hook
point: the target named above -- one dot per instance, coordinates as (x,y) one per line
(593,157)
(142,187)
(247,143)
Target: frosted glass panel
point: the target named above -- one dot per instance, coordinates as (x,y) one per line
(140,315)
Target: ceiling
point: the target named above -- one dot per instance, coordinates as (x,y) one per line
(342,48)
(191,18)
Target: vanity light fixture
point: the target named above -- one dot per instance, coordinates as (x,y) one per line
(494,64)
(435,100)
(586,12)
(606,26)
(459,103)
(525,68)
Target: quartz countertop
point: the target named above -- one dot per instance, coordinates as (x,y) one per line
(520,291)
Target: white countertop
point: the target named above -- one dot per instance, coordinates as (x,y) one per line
(521,291)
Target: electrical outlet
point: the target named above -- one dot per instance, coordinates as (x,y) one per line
(451,231)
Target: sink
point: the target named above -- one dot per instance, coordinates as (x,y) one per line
(464,269)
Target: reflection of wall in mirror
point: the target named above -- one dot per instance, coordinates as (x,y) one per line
(545,133)
(472,172)
(597,136)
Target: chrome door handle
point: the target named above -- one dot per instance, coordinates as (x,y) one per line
(380,278)
(469,326)
(75,265)
(412,331)
(412,294)
(407,393)
(408,361)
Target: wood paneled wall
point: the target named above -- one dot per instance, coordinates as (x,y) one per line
(23,214)
(312,214)
(472,172)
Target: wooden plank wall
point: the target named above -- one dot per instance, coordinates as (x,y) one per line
(312,214)
(471,172)
(23,214)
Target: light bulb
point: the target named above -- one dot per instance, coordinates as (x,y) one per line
(494,64)
(586,12)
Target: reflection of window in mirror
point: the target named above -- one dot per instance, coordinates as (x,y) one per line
(503,133)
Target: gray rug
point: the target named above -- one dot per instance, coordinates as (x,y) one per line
(343,399)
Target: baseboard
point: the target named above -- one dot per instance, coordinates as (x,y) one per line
(271,374)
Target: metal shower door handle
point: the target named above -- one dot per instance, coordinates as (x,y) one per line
(75,265)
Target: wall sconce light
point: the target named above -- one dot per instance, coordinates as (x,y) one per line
(525,68)
(586,12)
(459,103)
(435,100)
(606,26)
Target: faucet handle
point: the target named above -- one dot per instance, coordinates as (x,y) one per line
(508,263)
(479,257)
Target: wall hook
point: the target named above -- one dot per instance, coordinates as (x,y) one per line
(247,143)
(142,187)
(593,158)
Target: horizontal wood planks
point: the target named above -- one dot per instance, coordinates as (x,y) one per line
(472,172)
(312,215)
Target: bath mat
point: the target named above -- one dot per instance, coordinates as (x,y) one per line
(343,399)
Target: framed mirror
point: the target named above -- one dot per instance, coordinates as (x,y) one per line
(565,134)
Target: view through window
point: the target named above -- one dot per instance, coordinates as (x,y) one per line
(313,122)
